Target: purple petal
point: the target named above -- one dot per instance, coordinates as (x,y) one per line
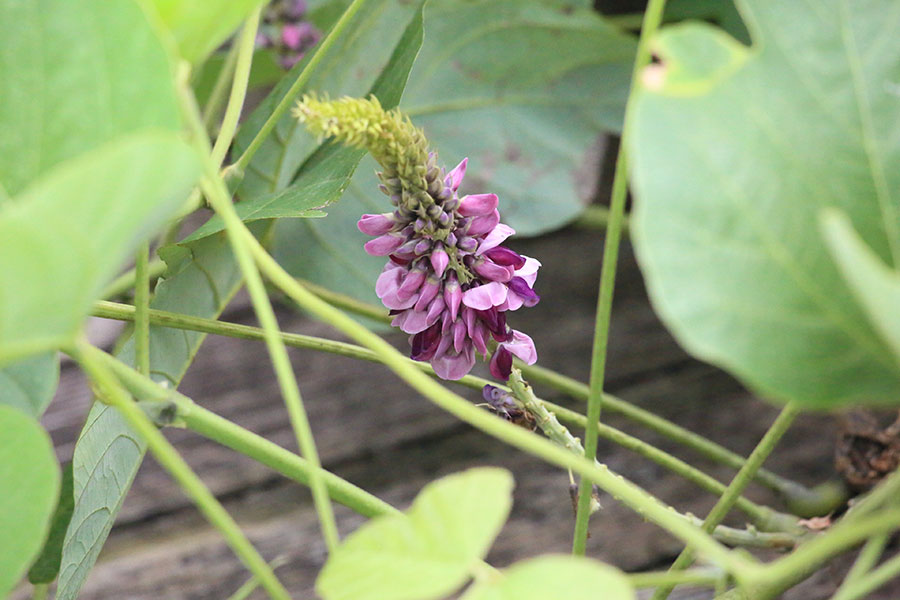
(384,245)
(375,224)
(459,335)
(506,257)
(483,224)
(436,309)
(492,271)
(427,293)
(501,363)
(478,205)
(452,296)
(454,366)
(479,340)
(412,321)
(520,287)
(388,285)
(529,270)
(411,283)
(425,343)
(496,237)
(455,177)
(522,346)
(290,35)
(439,261)
(485,296)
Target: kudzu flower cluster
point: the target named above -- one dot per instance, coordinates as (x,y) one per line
(448,281)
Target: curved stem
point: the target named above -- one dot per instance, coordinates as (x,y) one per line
(652,19)
(217,95)
(867,558)
(141,309)
(737,486)
(763,517)
(863,586)
(245,46)
(110,389)
(126,281)
(241,164)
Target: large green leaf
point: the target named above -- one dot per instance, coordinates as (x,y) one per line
(735,152)
(523,89)
(429,551)
(876,287)
(29,384)
(74,75)
(201,279)
(46,567)
(200,26)
(30,479)
(64,237)
(569,577)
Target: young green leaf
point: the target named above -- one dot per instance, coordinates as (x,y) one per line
(730,179)
(30,479)
(200,26)
(29,384)
(46,567)
(569,577)
(63,238)
(75,76)
(875,286)
(428,552)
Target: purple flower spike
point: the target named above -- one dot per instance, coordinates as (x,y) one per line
(449,282)
(291,36)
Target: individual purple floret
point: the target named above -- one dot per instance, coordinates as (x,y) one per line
(448,281)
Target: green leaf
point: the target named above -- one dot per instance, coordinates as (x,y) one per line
(46,567)
(30,479)
(875,286)
(29,384)
(569,577)
(63,238)
(730,179)
(69,82)
(200,26)
(429,551)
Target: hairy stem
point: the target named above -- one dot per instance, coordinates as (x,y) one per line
(737,486)
(112,392)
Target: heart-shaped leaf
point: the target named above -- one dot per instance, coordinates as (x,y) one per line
(731,176)
(30,479)
(63,238)
(569,577)
(429,551)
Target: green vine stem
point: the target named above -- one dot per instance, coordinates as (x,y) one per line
(288,100)
(217,194)
(763,517)
(652,18)
(596,217)
(765,446)
(245,44)
(704,577)
(141,309)
(218,94)
(800,499)
(110,390)
(861,587)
